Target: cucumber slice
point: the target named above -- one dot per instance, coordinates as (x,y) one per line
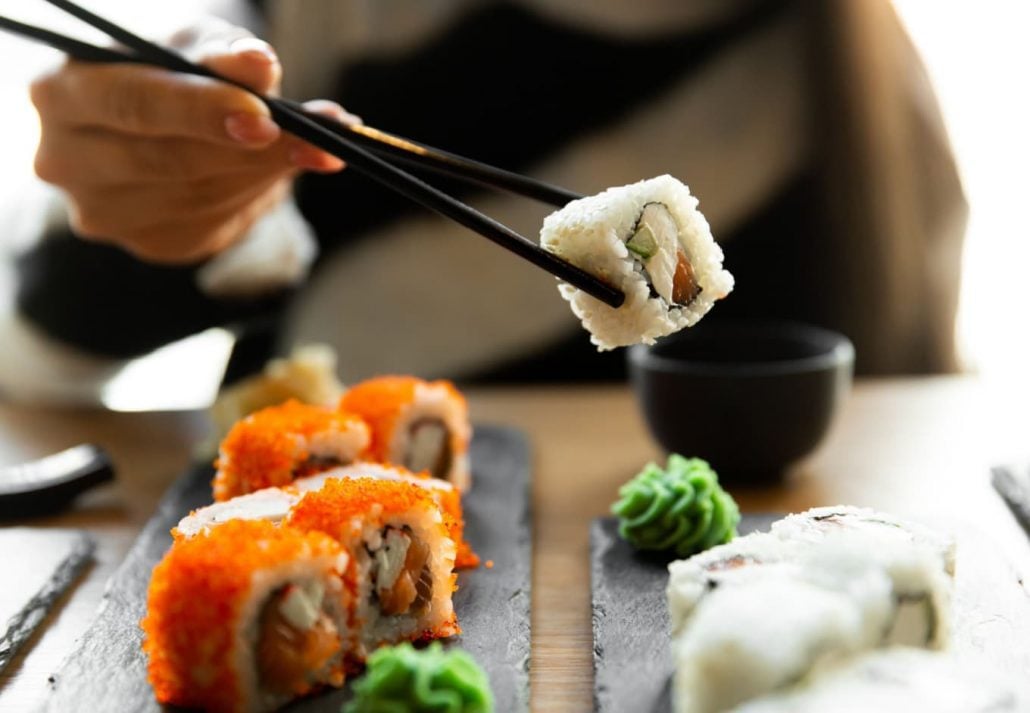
(643,242)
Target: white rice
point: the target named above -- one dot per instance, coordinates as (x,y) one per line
(270,504)
(901,680)
(591,233)
(753,615)
(746,641)
(435,401)
(885,534)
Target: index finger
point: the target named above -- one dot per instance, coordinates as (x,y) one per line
(148,101)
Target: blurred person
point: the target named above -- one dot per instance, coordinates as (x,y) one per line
(806,129)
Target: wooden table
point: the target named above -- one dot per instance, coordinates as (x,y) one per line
(916,447)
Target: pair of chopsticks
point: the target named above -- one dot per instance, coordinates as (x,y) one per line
(349,144)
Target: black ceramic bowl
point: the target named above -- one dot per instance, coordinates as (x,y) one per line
(750,398)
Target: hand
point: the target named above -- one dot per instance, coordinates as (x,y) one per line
(173,168)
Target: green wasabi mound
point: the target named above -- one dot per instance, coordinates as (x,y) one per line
(402,679)
(680,509)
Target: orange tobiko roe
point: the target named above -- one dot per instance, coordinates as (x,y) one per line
(345,506)
(268,447)
(449,499)
(198,593)
(381,400)
(450,503)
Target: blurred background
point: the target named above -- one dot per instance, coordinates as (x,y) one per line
(978,64)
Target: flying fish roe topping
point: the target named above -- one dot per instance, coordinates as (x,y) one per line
(198,589)
(272,446)
(383,399)
(343,503)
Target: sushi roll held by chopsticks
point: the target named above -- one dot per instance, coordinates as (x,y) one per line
(649,240)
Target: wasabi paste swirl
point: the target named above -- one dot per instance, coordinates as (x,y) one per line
(402,679)
(681,508)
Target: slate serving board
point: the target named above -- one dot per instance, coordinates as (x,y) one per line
(108,670)
(632,666)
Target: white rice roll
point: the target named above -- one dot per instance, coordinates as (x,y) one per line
(827,591)
(744,641)
(885,534)
(900,680)
(691,579)
(918,561)
(616,236)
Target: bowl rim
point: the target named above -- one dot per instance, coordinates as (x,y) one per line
(839,352)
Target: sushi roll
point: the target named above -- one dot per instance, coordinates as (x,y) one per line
(889,533)
(245,616)
(649,240)
(690,580)
(421,425)
(402,557)
(918,562)
(840,581)
(901,680)
(743,642)
(274,504)
(274,446)
(446,496)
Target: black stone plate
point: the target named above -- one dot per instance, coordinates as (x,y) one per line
(108,671)
(632,664)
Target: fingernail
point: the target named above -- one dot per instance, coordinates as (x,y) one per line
(251,128)
(255,49)
(332,110)
(311,159)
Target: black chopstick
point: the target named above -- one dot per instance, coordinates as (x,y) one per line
(312,129)
(69,45)
(419,155)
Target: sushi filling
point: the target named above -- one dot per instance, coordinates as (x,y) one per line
(430,448)
(297,639)
(915,621)
(401,579)
(655,245)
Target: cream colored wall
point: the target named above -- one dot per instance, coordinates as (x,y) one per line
(978,58)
